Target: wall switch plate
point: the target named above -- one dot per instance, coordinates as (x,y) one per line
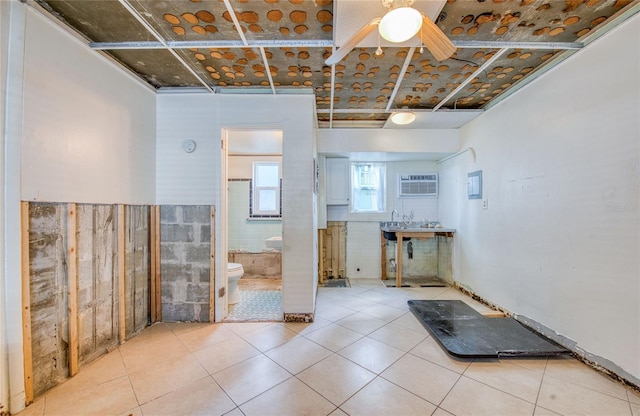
(485,203)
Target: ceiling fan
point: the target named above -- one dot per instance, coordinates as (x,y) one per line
(400,24)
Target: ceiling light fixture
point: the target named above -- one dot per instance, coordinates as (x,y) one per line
(402,118)
(400,23)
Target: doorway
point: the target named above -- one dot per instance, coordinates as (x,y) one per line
(253,224)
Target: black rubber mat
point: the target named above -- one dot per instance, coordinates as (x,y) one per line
(465,333)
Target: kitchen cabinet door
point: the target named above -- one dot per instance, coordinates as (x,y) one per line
(338,183)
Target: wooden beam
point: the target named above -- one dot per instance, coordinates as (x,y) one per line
(72,286)
(212,267)
(321,256)
(158,275)
(152,261)
(383,256)
(399,259)
(26,304)
(122,333)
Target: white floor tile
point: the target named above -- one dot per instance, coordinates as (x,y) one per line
(469,397)
(336,378)
(377,359)
(252,377)
(291,397)
(383,398)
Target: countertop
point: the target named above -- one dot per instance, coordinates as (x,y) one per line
(413,229)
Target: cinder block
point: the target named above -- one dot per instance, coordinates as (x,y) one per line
(173,272)
(198,293)
(199,254)
(170,252)
(205,233)
(168,214)
(196,214)
(175,233)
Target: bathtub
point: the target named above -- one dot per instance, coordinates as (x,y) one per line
(274,243)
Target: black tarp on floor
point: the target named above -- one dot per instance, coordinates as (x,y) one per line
(466,333)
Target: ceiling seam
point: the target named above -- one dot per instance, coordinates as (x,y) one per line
(403,71)
(265,61)
(147,26)
(469,79)
(236,22)
(180,44)
(332,94)
(611,23)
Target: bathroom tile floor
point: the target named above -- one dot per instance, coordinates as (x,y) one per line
(365,354)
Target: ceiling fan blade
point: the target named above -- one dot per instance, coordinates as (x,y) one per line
(435,40)
(353,41)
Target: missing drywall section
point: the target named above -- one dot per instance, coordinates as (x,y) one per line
(185,262)
(96,261)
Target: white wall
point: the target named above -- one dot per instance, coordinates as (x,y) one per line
(77,129)
(89,127)
(195,178)
(388,140)
(560,239)
(12,394)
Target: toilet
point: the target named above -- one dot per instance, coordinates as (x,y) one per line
(234,272)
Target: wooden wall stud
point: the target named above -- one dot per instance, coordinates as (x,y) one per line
(121,274)
(26,305)
(72,287)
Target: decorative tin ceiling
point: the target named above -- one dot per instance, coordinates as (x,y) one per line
(279,46)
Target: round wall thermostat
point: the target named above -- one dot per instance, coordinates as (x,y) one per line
(188,146)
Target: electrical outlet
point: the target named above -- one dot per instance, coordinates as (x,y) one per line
(485,204)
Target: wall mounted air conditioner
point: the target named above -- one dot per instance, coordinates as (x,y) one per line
(417,185)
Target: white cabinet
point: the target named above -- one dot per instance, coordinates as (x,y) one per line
(337,190)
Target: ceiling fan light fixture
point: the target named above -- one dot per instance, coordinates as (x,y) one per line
(401,118)
(400,24)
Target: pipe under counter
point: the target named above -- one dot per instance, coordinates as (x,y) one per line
(402,233)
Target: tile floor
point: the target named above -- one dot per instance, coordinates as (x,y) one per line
(365,354)
(257,306)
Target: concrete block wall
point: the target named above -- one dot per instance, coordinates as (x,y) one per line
(185,251)
(98,280)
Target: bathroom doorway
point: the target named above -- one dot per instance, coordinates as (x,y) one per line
(254,225)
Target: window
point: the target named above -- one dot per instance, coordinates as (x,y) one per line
(368,187)
(266,190)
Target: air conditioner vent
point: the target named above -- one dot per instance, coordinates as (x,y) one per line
(417,185)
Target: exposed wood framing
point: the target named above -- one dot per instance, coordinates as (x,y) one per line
(212,267)
(158,271)
(26,305)
(152,261)
(72,286)
(383,256)
(333,249)
(121,274)
(321,256)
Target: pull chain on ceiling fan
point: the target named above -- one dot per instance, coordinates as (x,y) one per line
(399,24)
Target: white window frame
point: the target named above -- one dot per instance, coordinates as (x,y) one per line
(380,187)
(255,212)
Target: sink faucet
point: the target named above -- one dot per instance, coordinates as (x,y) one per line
(394,212)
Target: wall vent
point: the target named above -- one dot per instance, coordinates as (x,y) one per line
(417,185)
